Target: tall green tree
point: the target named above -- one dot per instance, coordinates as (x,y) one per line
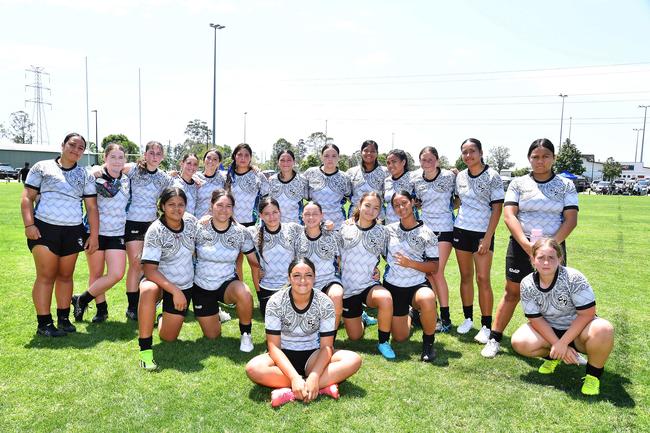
(611,169)
(311,160)
(198,131)
(523,171)
(443,162)
(460,164)
(499,158)
(569,159)
(20,127)
(132,149)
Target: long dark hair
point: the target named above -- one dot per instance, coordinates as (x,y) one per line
(402,157)
(166,195)
(541,142)
(142,163)
(72,135)
(217,194)
(230,176)
(301,261)
(357,209)
(266,201)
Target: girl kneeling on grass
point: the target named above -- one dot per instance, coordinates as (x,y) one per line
(561,309)
(168,273)
(300,329)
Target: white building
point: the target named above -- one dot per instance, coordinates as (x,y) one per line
(631,170)
(593,168)
(634,170)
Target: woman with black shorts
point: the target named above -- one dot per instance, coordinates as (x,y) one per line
(113,193)
(218,243)
(412,254)
(54,229)
(367,176)
(301,362)
(168,273)
(212,180)
(561,309)
(288,187)
(536,205)
(480,191)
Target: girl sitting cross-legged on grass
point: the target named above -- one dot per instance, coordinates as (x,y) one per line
(561,309)
(301,362)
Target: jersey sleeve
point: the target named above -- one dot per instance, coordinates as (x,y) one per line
(582,294)
(528,304)
(90,188)
(264,185)
(35,177)
(496,186)
(327,326)
(152,250)
(348,184)
(247,245)
(431,248)
(512,195)
(272,319)
(571,197)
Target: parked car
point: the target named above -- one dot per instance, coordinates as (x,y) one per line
(8,172)
(603,187)
(641,187)
(593,185)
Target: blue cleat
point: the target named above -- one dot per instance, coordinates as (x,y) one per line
(386,351)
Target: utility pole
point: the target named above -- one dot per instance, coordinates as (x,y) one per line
(561,120)
(636,148)
(645,115)
(245,113)
(214,81)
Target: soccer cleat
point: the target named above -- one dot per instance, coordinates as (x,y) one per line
(582,361)
(464,327)
(549,366)
(146,360)
(246,343)
(78,308)
(131,315)
(445,327)
(331,390)
(385,350)
(483,335)
(591,386)
(224,316)
(100,317)
(281,396)
(50,330)
(368,320)
(491,348)
(415,318)
(428,353)
(64,325)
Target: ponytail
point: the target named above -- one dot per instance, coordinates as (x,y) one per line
(260,240)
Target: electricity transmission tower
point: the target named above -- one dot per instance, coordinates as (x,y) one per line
(38,111)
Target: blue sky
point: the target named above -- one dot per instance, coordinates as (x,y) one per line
(429,72)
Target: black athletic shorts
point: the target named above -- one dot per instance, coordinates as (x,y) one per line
(444,236)
(135,230)
(327,286)
(467,240)
(109,242)
(403,297)
(168,302)
(353,306)
(299,358)
(206,302)
(518,262)
(60,240)
(263,297)
(560,332)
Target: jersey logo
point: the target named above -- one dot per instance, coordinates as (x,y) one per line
(134,232)
(514,271)
(80,242)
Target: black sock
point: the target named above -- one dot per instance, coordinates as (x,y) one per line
(245,328)
(383,336)
(85,298)
(145,343)
(486,321)
(444,314)
(43,319)
(134,298)
(496,335)
(102,308)
(594,371)
(428,340)
(468,311)
(62,313)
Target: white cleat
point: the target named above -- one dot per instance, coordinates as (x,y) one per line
(491,348)
(246,343)
(464,327)
(483,335)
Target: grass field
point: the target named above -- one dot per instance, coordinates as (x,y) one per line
(90,381)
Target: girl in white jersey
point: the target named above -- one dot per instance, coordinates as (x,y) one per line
(212,180)
(169,273)
(480,191)
(368,175)
(434,188)
(301,362)
(189,165)
(399,180)
(113,193)
(539,204)
(288,187)
(54,229)
(561,309)
(329,186)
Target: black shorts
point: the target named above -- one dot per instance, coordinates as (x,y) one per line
(444,236)
(250,224)
(135,230)
(60,240)
(560,332)
(299,358)
(327,286)
(353,306)
(206,302)
(109,242)
(168,302)
(467,240)
(403,297)
(518,262)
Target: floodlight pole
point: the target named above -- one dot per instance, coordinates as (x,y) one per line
(645,115)
(561,120)
(214,81)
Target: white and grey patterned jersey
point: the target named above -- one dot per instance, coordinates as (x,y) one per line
(477,194)
(300,329)
(61,191)
(365,181)
(217,251)
(191,190)
(360,252)
(289,195)
(323,251)
(330,191)
(247,189)
(112,210)
(558,304)
(172,250)
(436,197)
(278,252)
(419,244)
(146,187)
(541,204)
(391,186)
(204,195)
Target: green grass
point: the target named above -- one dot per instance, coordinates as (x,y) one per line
(90,381)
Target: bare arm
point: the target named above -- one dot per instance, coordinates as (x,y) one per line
(512,222)
(570,222)
(322,361)
(93,220)
(152,274)
(27,211)
(492,226)
(283,363)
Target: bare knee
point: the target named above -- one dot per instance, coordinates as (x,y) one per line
(483,281)
(400,337)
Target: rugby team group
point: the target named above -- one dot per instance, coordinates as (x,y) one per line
(313,265)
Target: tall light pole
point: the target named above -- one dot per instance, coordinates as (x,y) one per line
(561,120)
(325,131)
(214,80)
(645,114)
(96,136)
(636,148)
(245,113)
(570,123)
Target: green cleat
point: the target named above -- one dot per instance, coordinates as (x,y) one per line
(591,386)
(146,360)
(549,366)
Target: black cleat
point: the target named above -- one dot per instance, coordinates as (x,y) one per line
(50,330)
(428,353)
(131,315)
(100,317)
(66,326)
(78,308)
(415,318)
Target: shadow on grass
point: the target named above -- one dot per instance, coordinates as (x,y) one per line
(347,389)
(185,356)
(95,333)
(404,350)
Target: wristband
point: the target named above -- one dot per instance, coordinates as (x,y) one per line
(30,225)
